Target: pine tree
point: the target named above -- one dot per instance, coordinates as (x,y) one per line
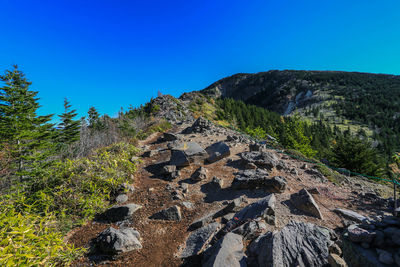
(94,119)
(27,134)
(69,129)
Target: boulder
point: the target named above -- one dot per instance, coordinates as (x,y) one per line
(171,214)
(201,125)
(198,239)
(304,201)
(359,235)
(260,159)
(317,175)
(168,169)
(251,229)
(351,215)
(119,212)
(170,137)
(217,151)
(216,183)
(263,208)
(186,153)
(199,174)
(114,241)
(297,244)
(228,251)
(253,179)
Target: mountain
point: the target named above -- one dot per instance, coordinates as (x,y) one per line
(361,102)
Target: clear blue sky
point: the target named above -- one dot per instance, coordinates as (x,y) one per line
(110,54)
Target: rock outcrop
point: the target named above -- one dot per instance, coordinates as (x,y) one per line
(304,201)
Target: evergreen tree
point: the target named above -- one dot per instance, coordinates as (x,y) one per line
(27,134)
(68,128)
(94,119)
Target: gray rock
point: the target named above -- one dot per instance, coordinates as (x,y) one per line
(263,209)
(359,235)
(168,169)
(218,151)
(294,172)
(228,251)
(114,241)
(171,214)
(170,137)
(120,212)
(201,125)
(385,256)
(188,205)
(297,244)
(314,191)
(317,175)
(201,222)
(260,159)
(256,147)
(186,153)
(306,203)
(199,174)
(351,215)
(251,229)
(250,166)
(217,183)
(122,198)
(150,153)
(253,179)
(198,239)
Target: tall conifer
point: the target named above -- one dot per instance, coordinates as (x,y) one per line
(68,128)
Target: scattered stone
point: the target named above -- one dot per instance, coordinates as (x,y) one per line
(294,172)
(188,205)
(252,179)
(201,222)
(260,159)
(125,187)
(186,153)
(198,239)
(255,147)
(264,209)
(314,191)
(115,241)
(217,183)
(228,251)
(150,153)
(201,125)
(170,137)
(317,175)
(120,213)
(304,201)
(217,151)
(122,198)
(251,229)
(351,215)
(226,218)
(171,214)
(336,261)
(168,169)
(199,174)
(297,244)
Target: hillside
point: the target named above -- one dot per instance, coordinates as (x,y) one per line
(362,102)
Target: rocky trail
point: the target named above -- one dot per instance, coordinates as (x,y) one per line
(207,196)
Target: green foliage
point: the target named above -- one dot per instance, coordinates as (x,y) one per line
(79,188)
(68,128)
(28,239)
(94,119)
(27,134)
(330,174)
(257,133)
(354,154)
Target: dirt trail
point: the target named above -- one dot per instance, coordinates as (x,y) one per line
(161,239)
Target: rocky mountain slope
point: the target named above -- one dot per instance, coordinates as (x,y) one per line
(205,195)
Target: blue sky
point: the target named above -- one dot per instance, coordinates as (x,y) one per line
(111,54)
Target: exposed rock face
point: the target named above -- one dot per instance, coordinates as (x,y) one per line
(114,241)
(201,125)
(119,212)
(251,229)
(170,108)
(297,244)
(217,151)
(171,214)
(198,239)
(228,251)
(186,153)
(252,179)
(305,202)
(260,159)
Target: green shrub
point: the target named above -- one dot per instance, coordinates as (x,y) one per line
(78,189)
(31,240)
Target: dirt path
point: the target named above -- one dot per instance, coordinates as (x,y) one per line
(161,239)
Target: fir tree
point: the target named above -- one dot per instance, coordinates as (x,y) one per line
(69,129)
(94,119)
(27,134)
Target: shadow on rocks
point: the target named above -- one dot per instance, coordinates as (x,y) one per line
(213,194)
